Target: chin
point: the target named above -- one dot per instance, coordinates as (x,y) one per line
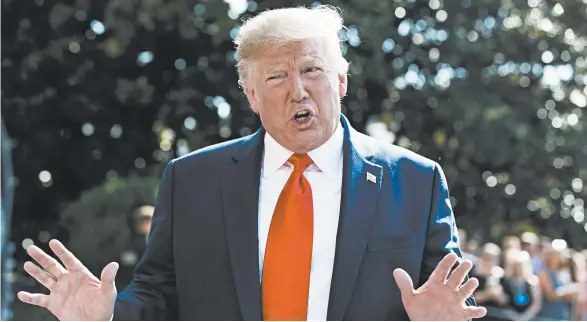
(308,142)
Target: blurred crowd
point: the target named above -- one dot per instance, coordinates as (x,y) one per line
(529,278)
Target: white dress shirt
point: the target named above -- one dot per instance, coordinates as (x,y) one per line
(325,177)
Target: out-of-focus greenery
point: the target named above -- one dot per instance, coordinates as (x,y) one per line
(495,91)
(101,221)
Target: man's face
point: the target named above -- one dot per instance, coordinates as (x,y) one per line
(144,226)
(296,92)
(490,258)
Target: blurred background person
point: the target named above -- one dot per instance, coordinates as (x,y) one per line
(473,249)
(580,270)
(509,257)
(511,242)
(556,285)
(522,289)
(531,245)
(141,220)
(7,247)
(490,293)
(467,247)
(510,248)
(583,290)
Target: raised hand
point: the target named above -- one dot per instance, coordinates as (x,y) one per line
(442,297)
(75,293)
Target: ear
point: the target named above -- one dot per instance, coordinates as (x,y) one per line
(250,93)
(342,85)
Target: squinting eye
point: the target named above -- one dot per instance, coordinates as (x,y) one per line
(274,77)
(313,69)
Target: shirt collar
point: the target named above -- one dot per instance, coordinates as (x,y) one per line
(327,157)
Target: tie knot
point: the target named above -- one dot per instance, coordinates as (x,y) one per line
(300,162)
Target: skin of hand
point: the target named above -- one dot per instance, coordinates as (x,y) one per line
(74,292)
(442,297)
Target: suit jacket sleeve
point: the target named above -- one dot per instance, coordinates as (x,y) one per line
(441,235)
(152,295)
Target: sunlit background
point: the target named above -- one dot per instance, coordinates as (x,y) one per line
(97,96)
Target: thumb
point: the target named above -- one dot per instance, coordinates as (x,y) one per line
(404,282)
(109,274)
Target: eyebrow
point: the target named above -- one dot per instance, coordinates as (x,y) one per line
(274,69)
(310,59)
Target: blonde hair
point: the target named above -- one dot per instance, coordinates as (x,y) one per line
(274,28)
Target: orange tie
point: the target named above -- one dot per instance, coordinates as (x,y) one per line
(288,256)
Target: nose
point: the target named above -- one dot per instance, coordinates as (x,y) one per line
(299,92)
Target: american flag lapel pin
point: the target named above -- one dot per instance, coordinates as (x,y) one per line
(371,177)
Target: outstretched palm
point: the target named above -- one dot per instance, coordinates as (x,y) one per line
(75,293)
(440,298)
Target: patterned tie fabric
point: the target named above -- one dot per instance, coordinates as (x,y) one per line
(288,256)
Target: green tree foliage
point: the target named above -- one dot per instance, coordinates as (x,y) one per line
(493,90)
(101,221)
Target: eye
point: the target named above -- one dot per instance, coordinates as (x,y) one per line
(274,77)
(313,69)
(275,80)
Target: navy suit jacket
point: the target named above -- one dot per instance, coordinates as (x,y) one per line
(202,260)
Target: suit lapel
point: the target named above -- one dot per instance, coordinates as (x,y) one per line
(240,198)
(358,204)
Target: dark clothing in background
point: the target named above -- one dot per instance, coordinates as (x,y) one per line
(519,294)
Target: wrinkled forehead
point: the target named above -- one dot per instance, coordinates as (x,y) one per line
(295,54)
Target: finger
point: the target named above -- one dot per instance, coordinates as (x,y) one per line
(70,261)
(109,276)
(34,299)
(404,282)
(457,277)
(441,272)
(475,312)
(48,263)
(40,275)
(468,288)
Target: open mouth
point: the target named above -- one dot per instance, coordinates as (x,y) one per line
(301,117)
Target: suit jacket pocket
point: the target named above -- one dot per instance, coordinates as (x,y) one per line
(384,243)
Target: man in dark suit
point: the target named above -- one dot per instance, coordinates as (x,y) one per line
(305,219)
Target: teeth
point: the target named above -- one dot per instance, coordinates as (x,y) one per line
(301,116)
